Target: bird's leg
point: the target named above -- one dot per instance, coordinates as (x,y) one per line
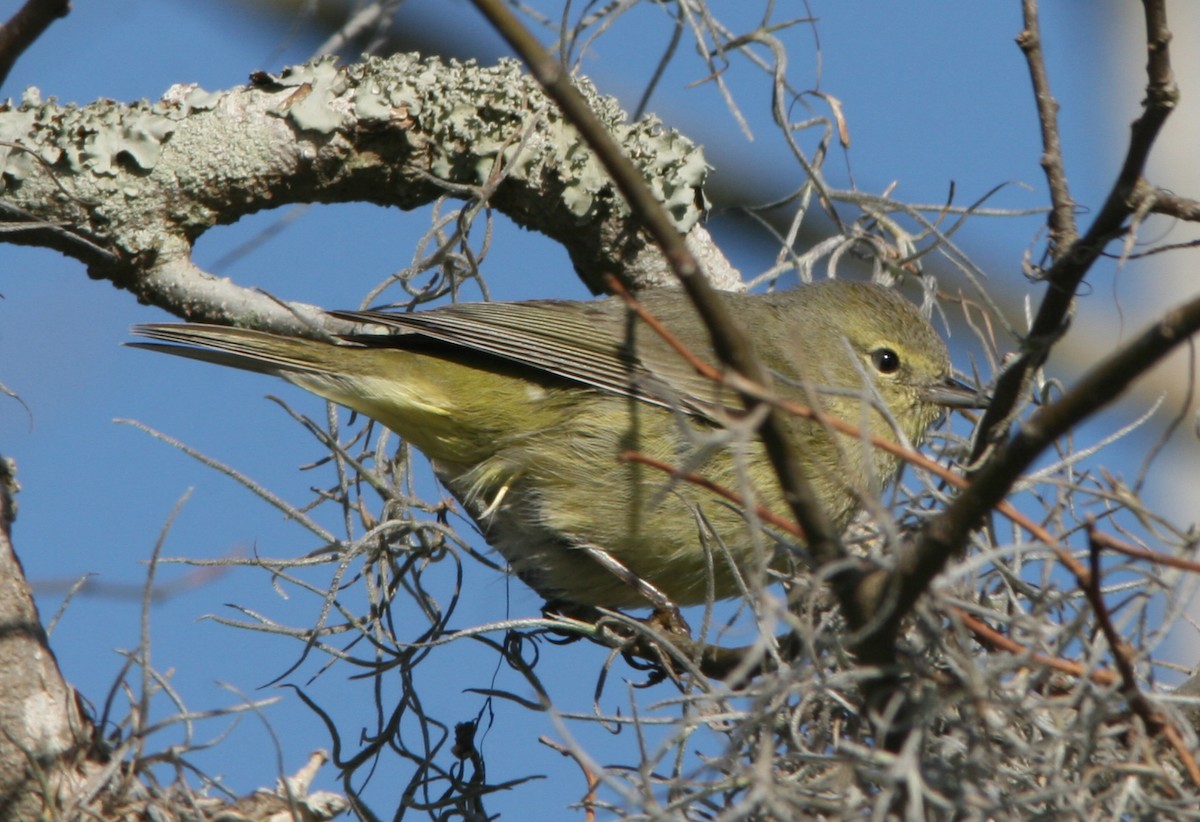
(655,597)
(666,616)
(670,621)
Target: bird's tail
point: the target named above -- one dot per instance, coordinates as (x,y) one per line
(411,394)
(244,348)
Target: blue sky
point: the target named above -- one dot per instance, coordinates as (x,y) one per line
(933,96)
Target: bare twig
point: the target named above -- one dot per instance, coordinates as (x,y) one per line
(1073,264)
(1062,212)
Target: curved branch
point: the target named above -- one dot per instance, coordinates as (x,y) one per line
(25,27)
(129,188)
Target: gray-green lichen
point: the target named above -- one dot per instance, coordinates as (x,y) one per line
(462,123)
(468,117)
(317,104)
(94,138)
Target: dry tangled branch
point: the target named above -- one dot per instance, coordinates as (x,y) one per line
(983,643)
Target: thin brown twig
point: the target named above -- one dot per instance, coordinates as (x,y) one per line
(702,368)
(692,478)
(1156,723)
(1181,748)
(1121,652)
(1108,541)
(1101,676)
(593,781)
(1063,231)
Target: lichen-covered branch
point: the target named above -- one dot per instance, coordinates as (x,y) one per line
(127,188)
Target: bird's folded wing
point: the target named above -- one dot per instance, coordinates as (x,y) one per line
(599,344)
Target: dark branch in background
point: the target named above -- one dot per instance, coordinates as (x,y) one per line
(729,340)
(1167,204)
(946,533)
(24,27)
(1063,231)
(1068,271)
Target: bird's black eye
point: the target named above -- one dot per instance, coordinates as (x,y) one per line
(886,360)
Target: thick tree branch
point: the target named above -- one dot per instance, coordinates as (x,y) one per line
(129,188)
(43,734)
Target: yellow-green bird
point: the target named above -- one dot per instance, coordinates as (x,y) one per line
(525,408)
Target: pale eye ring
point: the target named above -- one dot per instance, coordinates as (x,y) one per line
(885,360)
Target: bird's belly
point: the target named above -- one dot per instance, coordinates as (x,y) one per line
(543,504)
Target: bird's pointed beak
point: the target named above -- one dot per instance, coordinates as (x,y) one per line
(951,393)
